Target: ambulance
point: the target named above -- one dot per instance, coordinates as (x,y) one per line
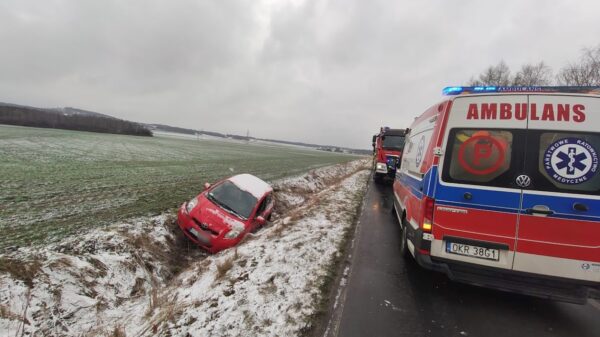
(500,187)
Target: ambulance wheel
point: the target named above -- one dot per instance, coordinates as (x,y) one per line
(404,240)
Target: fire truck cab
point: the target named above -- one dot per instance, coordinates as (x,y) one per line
(500,187)
(387,151)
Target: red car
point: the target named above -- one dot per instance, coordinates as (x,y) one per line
(225,212)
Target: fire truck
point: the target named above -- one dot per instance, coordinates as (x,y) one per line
(387,152)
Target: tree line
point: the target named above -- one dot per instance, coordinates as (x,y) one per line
(583,72)
(25,116)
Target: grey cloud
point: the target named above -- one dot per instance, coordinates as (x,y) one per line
(316,71)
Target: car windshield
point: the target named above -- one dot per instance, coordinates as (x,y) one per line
(393,142)
(232,199)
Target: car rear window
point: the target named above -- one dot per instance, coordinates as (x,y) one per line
(482,156)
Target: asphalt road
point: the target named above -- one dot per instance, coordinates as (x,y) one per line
(386,295)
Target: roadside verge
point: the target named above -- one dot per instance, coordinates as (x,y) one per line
(141,278)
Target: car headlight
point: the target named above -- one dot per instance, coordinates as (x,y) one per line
(191,204)
(235,231)
(381,166)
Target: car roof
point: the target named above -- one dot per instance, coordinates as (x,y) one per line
(251,184)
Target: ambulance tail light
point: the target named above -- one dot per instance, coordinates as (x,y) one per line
(427,223)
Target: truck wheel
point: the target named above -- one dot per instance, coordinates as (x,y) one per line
(377,177)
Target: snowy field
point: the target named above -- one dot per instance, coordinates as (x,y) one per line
(142,278)
(57,182)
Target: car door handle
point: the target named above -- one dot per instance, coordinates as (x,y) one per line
(540,209)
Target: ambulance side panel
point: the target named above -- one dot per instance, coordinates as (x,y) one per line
(415,178)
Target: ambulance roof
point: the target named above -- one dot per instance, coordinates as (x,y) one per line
(456,91)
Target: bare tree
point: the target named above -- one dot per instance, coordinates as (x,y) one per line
(585,72)
(498,75)
(533,74)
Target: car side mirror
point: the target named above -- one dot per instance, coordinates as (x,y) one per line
(260,220)
(206,186)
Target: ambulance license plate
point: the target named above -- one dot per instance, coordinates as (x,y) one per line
(473,251)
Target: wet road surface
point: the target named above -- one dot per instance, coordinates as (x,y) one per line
(387,295)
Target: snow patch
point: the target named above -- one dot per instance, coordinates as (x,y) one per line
(251,184)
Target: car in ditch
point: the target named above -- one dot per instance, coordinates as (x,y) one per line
(220,216)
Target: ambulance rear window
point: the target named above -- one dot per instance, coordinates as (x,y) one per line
(566,161)
(479,156)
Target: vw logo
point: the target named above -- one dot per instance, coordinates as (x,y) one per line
(523,180)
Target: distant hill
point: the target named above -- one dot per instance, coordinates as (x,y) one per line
(78,112)
(68,118)
(329,148)
(168,128)
(84,120)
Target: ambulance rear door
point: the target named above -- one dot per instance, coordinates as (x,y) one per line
(559,227)
(477,202)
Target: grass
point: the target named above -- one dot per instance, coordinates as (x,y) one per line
(223,267)
(25,271)
(55,183)
(316,323)
(118,331)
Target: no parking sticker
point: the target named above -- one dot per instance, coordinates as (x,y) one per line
(571,161)
(475,155)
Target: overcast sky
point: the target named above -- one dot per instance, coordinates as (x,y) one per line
(326,72)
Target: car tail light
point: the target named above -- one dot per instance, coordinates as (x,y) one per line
(427,222)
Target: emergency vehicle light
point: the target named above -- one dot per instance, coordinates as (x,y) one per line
(454,91)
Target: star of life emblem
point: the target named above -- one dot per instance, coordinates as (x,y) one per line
(571,161)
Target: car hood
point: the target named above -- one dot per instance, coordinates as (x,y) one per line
(215,217)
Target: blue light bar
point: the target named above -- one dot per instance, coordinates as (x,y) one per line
(454,91)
